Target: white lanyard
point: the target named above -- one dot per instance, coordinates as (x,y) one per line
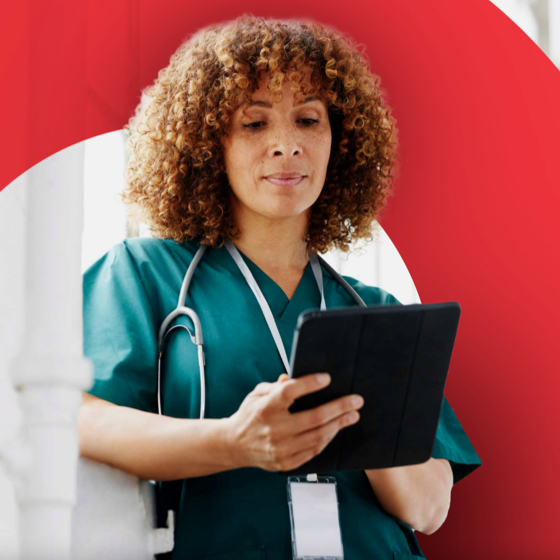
(317,272)
(318,502)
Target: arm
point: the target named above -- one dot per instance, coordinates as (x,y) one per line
(262,433)
(419,495)
(150,446)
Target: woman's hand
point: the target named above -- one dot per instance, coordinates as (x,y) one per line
(263,433)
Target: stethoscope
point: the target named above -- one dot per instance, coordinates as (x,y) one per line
(197,339)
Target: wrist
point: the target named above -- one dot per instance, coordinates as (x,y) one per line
(228,442)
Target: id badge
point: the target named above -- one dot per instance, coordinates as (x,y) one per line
(314,518)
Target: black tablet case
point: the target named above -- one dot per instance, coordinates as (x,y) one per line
(397,358)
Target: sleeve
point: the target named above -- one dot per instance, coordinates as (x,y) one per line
(120,331)
(451,441)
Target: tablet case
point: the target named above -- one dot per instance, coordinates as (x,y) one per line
(397,358)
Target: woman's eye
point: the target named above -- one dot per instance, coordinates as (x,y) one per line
(252,125)
(308,122)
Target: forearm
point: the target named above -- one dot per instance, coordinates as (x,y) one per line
(151,446)
(419,495)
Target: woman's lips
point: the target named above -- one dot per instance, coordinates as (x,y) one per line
(285,182)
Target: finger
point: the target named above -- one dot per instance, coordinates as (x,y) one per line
(309,419)
(295,461)
(288,391)
(319,438)
(302,456)
(262,388)
(283,377)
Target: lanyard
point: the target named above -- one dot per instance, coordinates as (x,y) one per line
(242,265)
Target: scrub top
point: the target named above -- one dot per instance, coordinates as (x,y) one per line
(240,514)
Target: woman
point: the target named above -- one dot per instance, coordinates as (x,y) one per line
(273,135)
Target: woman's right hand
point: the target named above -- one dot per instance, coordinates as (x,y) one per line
(263,433)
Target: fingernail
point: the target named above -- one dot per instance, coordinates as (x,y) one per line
(357,401)
(323,378)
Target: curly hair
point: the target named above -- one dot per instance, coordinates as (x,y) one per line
(175,178)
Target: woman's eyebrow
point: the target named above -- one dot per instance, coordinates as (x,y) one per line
(269,106)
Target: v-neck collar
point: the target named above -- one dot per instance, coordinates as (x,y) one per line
(282,307)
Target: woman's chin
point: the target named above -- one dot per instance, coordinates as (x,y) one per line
(284,213)
(285,207)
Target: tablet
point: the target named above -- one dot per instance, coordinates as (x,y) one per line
(396,357)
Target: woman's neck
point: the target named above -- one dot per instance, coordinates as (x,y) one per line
(274,244)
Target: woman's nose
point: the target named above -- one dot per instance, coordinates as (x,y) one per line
(284,140)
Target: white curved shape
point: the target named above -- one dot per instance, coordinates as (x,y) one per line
(104,212)
(41,477)
(377,264)
(554,31)
(50,366)
(520,12)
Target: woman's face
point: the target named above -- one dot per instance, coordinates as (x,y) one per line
(271,140)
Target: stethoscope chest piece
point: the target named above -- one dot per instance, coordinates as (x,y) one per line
(181,310)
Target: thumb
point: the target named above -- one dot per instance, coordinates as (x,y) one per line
(283,377)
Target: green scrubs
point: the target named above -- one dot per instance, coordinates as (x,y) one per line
(240,514)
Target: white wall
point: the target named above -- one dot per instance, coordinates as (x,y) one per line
(12,231)
(104,213)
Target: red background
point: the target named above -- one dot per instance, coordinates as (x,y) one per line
(474,216)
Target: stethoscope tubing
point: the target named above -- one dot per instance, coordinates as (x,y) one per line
(197,338)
